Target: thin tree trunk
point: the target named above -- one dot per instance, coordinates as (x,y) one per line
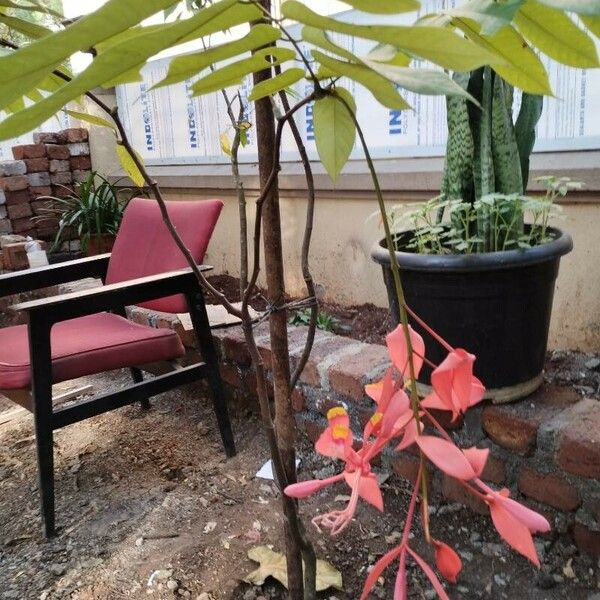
(284,420)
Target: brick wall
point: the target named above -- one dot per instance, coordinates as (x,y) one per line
(545,448)
(54,160)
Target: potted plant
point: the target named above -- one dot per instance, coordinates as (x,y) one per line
(479,262)
(92,211)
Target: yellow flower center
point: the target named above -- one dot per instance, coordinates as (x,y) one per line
(339,432)
(337,411)
(376,418)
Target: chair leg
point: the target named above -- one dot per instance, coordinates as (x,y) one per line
(138,377)
(41,392)
(207,348)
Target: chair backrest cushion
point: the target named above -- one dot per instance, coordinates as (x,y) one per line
(145,247)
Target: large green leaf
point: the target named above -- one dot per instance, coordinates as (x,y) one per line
(440,46)
(276,84)
(383,90)
(582,7)
(125,56)
(335,131)
(421,81)
(319,38)
(519,65)
(592,23)
(382,7)
(188,65)
(234,73)
(556,35)
(529,115)
(45,53)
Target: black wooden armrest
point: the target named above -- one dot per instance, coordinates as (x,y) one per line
(113,296)
(40,277)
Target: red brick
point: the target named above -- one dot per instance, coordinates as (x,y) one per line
(348,375)
(75,135)
(444,418)
(494,470)
(515,426)
(61,177)
(58,152)
(296,337)
(587,540)
(60,166)
(15,256)
(36,165)
(40,191)
(15,183)
(29,151)
(322,349)
(313,430)
(230,375)
(233,346)
(18,211)
(61,191)
(23,226)
(81,163)
(18,197)
(549,489)
(43,137)
(406,466)
(455,492)
(579,442)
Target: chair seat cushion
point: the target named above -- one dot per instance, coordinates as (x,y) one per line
(87,345)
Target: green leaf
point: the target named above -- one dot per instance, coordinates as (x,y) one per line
(384,7)
(421,81)
(490,14)
(556,35)
(518,64)
(276,84)
(335,131)
(383,90)
(183,67)
(27,28)
(440,46)
(592,23)
(125,56)
(319,38)
(46,53)
(582,7)
(389,55)
(129,165)
(233,74)
(88,118)
(32,6)
(529,115)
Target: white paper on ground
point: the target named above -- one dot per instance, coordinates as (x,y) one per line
(266,471)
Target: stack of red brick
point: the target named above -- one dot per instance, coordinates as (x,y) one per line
(545,448)
(48,167)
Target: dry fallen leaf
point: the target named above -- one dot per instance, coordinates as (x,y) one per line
(273,564)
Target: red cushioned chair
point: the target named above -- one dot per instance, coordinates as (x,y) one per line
(83,333)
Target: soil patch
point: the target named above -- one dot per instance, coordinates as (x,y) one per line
(148,507)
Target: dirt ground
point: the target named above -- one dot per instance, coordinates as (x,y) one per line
(148,507)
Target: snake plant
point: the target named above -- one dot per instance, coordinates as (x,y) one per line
(487,160)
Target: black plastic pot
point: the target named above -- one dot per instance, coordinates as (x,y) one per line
(496,305)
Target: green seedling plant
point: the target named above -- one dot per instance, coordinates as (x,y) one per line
(325,321)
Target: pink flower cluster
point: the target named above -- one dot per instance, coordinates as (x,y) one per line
(407,422)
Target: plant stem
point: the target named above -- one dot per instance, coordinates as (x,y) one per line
(414,394)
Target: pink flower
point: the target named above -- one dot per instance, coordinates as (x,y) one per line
(514,522)
(398,350)
(455,388)
(447,561)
